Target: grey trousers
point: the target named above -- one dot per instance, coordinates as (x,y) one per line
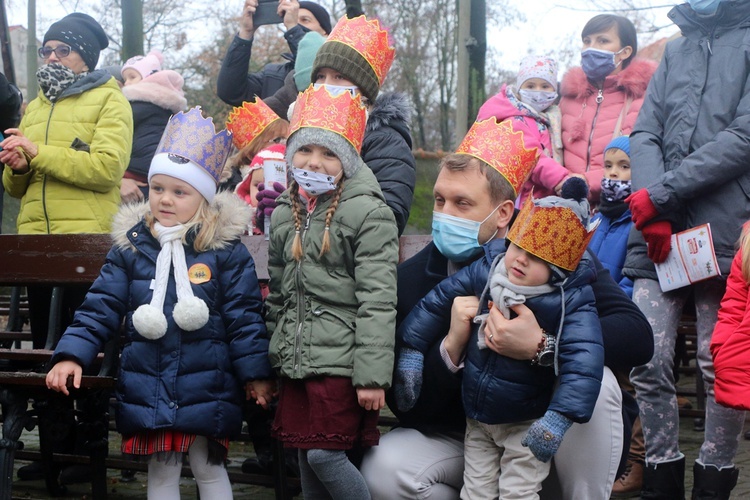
(655,385)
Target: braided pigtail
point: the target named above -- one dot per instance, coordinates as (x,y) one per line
(329,215)
(296,207)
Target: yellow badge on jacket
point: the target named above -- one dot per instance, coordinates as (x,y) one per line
(199,273)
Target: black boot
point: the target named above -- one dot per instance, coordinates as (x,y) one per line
(712,483)
(664,481)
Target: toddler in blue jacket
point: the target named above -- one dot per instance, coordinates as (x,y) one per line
(195,343)
(518,411)
(610,242)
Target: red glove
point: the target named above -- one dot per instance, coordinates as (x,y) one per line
(658,236)
(641,208)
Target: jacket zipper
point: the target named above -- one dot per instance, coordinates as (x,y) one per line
(44,180)
(599,100)
(300,304)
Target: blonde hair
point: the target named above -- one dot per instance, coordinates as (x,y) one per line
(278,128)
(745,249)
(297,216)
(203,223)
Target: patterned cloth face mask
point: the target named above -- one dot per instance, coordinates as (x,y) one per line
(314,183)
(54,78)
(615,190)
(537,99)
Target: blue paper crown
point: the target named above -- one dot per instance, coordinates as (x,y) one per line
(194,137)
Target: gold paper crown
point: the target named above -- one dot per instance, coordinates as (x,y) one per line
(342,114)
(554,234)
(370,41)
(193,137)
(498,145)
(248,121)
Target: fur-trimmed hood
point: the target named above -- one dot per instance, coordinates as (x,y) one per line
(390,109)
(157,92)
(633,80)
(233,218)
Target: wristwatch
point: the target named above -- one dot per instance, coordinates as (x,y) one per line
(546,355)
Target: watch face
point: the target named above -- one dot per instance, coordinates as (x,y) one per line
(547,358)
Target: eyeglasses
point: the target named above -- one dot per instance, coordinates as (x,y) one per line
(60,51)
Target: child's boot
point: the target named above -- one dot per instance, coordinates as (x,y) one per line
(712,483)
(664,481)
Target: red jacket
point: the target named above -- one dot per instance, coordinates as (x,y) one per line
(730,343)
(581,114)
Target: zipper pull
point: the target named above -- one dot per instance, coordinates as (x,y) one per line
(307,221)
(600,96)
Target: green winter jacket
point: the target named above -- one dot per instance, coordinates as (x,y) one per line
(335,315)
(84,141)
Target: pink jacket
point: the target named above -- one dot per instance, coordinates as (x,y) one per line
(584,147)
(535,128)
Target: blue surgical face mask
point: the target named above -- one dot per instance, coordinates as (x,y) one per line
(456,238)
(705,7)
(314,183)
(597,64)
(539,100)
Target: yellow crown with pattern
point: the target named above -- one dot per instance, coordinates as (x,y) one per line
(555,234)
(369,39)
(502,148)
(343,113)
(248,121)
(194,137)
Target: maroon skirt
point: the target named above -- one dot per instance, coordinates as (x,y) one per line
(323,413)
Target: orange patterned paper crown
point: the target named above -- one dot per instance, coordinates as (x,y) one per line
(248,121)
(190,135)
(342,114)
(554,234)
(369,39)
(502,148)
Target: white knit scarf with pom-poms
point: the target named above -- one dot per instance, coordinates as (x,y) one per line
(190,313)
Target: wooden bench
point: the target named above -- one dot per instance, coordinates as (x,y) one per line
(60,260)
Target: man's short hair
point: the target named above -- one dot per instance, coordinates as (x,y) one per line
(499,187)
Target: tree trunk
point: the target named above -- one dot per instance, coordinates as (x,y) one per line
(132,29)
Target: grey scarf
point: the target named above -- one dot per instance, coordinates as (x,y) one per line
(505,294)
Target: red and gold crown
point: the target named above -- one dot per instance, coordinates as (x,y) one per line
(248,121)
(498,145)
(342,114)
(555,234)
(370,41)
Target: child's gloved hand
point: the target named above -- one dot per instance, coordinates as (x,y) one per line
(407,382)
(546,434)
(266,202)
(658,235)
(642,208)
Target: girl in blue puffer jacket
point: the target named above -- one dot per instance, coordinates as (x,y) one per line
(195,342)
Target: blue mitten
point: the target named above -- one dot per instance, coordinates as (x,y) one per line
(546,434)
(407,381)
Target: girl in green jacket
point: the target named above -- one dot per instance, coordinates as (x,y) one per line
(332,260)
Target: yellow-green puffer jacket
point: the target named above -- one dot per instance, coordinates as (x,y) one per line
(84,141)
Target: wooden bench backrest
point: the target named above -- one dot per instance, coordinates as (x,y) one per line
(77,258)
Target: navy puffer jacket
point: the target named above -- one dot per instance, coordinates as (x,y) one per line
(498,389)
(186,381)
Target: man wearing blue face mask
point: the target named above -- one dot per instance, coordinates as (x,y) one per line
(690,150)
(423,458)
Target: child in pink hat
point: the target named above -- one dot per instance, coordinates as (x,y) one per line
(137,68)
